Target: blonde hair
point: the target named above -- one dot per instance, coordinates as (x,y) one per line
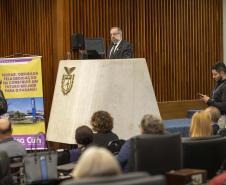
(200,125)
(96,162)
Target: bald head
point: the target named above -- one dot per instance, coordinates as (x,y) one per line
(5,126)
(214,113)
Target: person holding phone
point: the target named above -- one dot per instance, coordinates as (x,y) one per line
(218,98)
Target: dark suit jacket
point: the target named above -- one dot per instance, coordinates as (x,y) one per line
(124,50)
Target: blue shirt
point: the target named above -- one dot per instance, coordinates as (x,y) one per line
(123,155)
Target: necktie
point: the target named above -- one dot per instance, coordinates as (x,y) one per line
(112,51)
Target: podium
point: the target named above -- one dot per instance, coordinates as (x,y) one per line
(121,86)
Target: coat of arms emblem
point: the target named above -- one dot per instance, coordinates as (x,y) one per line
(67,80)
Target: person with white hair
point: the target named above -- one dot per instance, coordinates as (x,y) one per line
(96,162)
(150,124)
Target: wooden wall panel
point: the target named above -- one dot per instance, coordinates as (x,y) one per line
(178,109)
(26,27)
(180,39)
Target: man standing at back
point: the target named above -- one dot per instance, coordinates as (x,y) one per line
(7,143)
(119,48)
(218,98)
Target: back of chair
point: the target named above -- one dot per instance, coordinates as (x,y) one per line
(206,154)
(115,145)
(105,180)
(16,168)
(156,154)
(5,175)
(152,180)
(63,157)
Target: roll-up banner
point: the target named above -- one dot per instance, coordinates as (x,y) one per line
(21,83)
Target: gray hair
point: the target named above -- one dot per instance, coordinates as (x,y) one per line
(152,125)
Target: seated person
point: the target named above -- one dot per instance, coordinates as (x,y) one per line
(7,143)
(215,115)
(200,125)
(102,125)
(149,125)
(96,162)
(83,137)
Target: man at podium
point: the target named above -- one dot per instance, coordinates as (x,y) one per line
(119,48)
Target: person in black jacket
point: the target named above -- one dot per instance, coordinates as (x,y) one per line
(102,125)
(218,98)
(83,138)
(119,48)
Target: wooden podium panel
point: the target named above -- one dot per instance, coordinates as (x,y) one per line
(122,87)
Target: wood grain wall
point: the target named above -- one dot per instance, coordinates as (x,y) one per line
(26,27)
(180,39)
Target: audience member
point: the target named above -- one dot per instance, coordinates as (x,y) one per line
(149,125)
(200,125)
(7,143)
(102,124)
(96,162)
(83,137)
(214,114)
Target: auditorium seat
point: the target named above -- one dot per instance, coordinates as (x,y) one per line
(16,168)
(204,153)
(115,146)
(63,156)
(137,178)
(5,175)
(155,154)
